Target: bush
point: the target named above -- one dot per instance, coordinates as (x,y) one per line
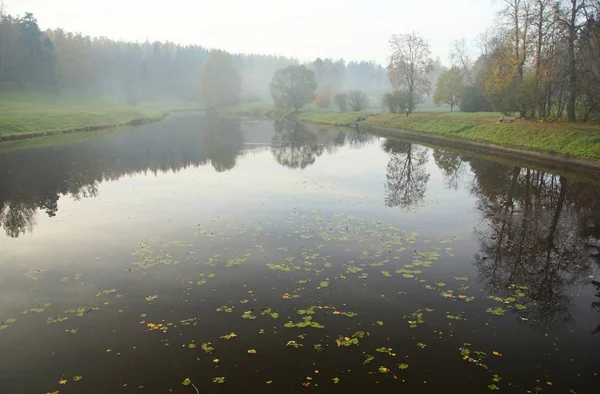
(358,100)
(473,101)
(341,101)
(323,100)
(396,101)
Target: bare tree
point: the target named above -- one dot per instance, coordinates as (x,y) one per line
(459,54)
(410,64)
(358,100)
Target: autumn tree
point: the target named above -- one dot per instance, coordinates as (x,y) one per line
(409,66)
(448,88)
(220,80)
(341,101)
(293,87)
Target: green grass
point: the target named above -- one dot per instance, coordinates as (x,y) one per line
(25,112)
(328,116)
(576,140)
(255,110)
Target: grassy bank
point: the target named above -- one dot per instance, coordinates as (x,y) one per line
(580,140)
(328,117)
(31,113)
(259,110)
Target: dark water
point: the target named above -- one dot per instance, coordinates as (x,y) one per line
(342,262)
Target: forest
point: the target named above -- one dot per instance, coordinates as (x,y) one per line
(60,61)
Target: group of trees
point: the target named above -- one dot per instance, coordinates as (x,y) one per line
(294,86)
(542,61)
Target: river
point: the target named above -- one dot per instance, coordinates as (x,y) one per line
(273,257)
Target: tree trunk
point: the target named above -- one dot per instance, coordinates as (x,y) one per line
(451,107)
(571,66)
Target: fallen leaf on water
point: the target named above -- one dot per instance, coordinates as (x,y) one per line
(186,382)
(62,381)
(495,353)
(336,380)
(77,378)
(251,351)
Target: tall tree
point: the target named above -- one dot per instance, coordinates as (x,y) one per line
(293,87)
(410,64)
(460,57)
(220,80)
(574,17)
(449,87)
(37,61)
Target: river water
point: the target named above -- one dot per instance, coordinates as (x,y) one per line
(273,257)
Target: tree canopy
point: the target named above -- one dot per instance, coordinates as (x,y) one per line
(220,80)
(448,88)
(293,87)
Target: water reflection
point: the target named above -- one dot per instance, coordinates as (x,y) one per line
(35,179)
(294,145)
(452,166)
(531,238)
(406,174)
(223,143)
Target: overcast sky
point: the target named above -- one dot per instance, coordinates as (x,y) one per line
(304,29)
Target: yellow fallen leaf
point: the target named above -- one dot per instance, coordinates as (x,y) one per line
(108,350)
(549,383)
(269,381)
(216,360)
(62,381)
(495,353)
(251,351)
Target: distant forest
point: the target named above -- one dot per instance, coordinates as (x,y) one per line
(57,60)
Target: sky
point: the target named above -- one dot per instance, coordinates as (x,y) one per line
(303,29)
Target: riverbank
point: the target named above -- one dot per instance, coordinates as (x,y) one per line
(28,114)
(579,140)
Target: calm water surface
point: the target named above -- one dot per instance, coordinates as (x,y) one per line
(277,257)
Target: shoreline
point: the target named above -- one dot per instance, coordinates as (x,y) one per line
(507,150)
(83,129)
(588,167)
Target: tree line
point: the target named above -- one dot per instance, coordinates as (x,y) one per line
(57,60)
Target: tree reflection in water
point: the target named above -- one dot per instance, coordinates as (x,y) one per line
(293,145)
(406,174)
(531,237)
(223,143)
(452,165)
